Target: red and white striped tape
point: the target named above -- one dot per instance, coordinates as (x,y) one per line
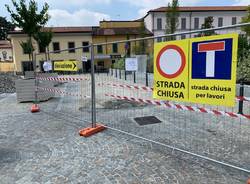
(62,92)
(76,79)
(180,107)
(144,88)
(243,98)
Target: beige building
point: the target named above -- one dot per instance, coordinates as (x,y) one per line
(63,38)
(6,59)
(112,31)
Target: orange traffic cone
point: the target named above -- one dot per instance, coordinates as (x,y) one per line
(34,108)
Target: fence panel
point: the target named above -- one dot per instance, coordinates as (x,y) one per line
(71,84)
(124,103)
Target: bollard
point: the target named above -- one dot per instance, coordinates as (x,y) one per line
(112,72)
(146,78)
(125,74)
(241,98)
(115,73)
(134,77)
(120,74)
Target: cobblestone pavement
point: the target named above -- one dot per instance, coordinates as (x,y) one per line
(37,148)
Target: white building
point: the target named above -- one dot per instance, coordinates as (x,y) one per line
(191,18)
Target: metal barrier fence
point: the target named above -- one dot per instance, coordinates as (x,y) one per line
(123,102)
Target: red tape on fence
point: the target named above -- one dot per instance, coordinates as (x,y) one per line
(148,89)
(179,106)
(143,88)
(60,79)
(62,92)
(243,98)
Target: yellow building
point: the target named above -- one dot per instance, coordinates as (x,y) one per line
(71,37)
(111,31)
(63,38)
(6,60)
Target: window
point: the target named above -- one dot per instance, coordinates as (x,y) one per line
(159,24)
(234,20)
(99,49)
(42,49)
(85,49)
(196,23)
(159,40)
(115,47)
(100,63)
(220,22)
(183,36)
(56,47)
(71,46)
(183,23)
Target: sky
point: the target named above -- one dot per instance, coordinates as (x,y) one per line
(90,12)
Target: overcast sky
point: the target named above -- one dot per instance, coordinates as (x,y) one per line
(90,12)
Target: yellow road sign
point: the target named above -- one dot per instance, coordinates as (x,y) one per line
(199,70)
(65,66)
(213,62)
(171,70)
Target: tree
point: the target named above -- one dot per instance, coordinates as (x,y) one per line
(243,69)
(208,24)
(5,27)
(43,39)
(141,47)
(243,47)
(28,18)
(172,18)
(27,47)
(245,20)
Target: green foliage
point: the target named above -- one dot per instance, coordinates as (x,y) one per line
(27,47)
(43,39)
(27,17)
(5,27)
(243,69)
(172,17)
(141,47)
(243,47)
(243,65)
(208,24)
(245,20)
(119,64)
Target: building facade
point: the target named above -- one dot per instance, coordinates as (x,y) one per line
(192,18)
(63,38)
(111,31)
(6,58)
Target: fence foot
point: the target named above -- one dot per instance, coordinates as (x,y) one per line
(35,108)
(87,132)
(248,181)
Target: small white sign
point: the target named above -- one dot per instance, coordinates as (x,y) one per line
(131,64)
(84,59)
(47,66)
